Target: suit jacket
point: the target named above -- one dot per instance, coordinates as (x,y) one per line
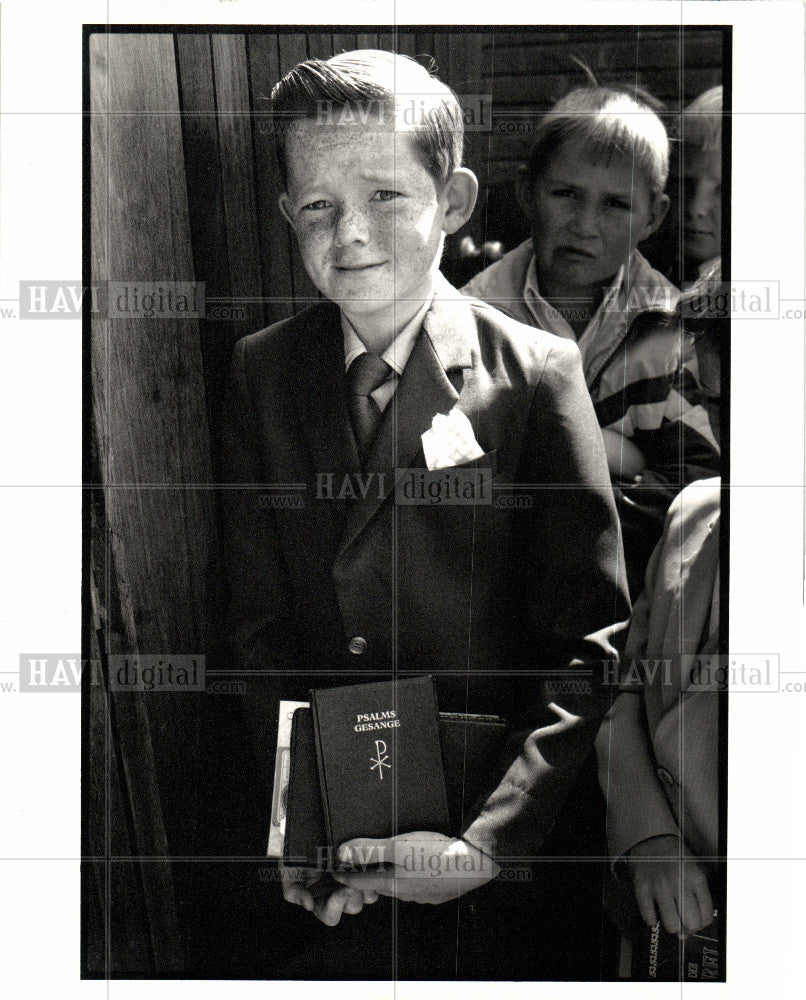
(487,597)
(658,746)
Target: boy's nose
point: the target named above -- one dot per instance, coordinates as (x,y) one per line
(585,222)
(699,205)
(351,227)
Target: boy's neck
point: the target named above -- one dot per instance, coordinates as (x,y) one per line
(378,329)
(576,305)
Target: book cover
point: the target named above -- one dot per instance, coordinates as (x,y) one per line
(305,836)
(655,955)
(379,757)
(470,747)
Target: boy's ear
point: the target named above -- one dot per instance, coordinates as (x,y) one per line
(284,203)
(658,207)
(460,193)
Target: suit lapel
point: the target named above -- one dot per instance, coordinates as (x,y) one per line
(321,394)
(426,387)
(322,410)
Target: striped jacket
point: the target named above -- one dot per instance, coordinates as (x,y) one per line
(634,373)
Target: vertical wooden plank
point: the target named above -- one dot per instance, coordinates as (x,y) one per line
(366,40)
(344,42)
(203,162)
(424,47)
(387,40)
(158,520)
(293,47)
(237,178)
(206,204)
(293,50)
(441,51)
(273,231)
(320,46)
(406,43)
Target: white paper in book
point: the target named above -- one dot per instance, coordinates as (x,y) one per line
(282,769)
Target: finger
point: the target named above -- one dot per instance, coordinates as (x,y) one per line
(364,851)
(704,901)
(330,910)
(298,895)
(370,896)
(646,903)
(376,883)
(294,891)
(667,906)
(690,911)
(355,901)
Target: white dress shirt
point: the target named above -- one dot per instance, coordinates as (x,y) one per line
(396,354)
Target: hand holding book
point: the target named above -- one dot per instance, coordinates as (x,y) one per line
(421,867)
(670,886)
(369,764)
(318,893)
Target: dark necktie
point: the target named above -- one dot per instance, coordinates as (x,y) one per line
(365,374)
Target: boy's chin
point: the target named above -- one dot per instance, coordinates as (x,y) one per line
(701,250)
(361,304)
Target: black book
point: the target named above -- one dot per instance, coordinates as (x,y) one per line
(470,747)
(380,764)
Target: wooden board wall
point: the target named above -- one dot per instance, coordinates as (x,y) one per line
(153,471)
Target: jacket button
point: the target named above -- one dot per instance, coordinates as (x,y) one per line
(665,777)
(357,645)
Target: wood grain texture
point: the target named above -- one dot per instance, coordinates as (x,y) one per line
(320,46)
(153,445)
(293,50)
(344,41)
(234,117)
(273,231)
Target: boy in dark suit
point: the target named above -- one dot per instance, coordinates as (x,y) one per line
(378,408)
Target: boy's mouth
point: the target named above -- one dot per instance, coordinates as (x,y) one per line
(569,251)
(353,268)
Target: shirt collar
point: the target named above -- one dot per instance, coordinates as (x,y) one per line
(398,352)
(543,310)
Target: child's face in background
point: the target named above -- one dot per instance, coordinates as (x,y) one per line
(588,216)
(367,215)
(702,223)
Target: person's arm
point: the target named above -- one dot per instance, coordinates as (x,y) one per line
(624,460)
(678,443)
(574,592)
(668,883)
(576,600)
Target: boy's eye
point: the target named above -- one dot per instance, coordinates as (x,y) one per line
(316,206)
(618,203)
(384,195)
(564,193)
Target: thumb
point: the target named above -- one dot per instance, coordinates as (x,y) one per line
(365,851)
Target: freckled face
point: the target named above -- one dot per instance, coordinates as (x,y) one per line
(588,217)
(702,229)
(367,215)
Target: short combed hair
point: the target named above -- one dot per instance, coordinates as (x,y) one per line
(702,121)
(376,82)
(608,122)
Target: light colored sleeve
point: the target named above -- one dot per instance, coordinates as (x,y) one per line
(637,807)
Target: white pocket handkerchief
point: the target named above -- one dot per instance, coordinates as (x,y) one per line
(450,441)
